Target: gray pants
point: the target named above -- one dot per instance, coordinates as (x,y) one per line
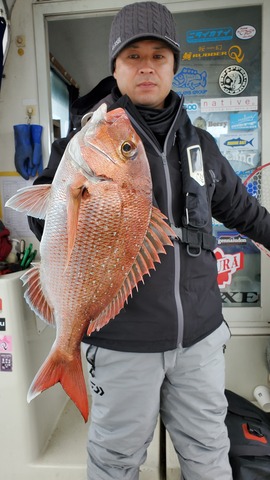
(185,385)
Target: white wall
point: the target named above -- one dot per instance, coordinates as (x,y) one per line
(19,87)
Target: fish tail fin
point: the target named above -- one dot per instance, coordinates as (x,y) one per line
(68,371)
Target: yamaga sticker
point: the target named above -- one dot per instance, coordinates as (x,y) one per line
(233,80)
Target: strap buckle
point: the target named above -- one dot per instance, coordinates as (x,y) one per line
(195,240)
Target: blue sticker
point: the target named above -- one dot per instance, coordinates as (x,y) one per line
(209,35)
(245,141)
(244,121)
(232,242)
(191,107)
(190,81)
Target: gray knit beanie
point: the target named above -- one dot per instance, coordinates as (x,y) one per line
(142,20)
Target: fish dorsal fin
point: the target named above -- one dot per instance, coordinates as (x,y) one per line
(158,235)
(32,200)
(35,297)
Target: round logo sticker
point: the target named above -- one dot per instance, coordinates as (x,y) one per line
(245,32)
(233,80)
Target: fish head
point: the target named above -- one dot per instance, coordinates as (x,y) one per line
(113,151)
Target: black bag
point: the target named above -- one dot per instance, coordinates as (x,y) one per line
(249,433)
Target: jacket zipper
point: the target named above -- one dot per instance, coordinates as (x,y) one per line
(176,242)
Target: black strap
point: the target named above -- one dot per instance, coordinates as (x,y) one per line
(195,240)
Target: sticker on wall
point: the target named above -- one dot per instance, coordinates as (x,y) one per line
(191,107)
(200,122)
(245,32)
(190,81)
(217,128)
(5,362)
(230,241)
(242,160)
(229,104)
(6,343)
(203,55)
(233,80)
(247,141)
(237,298)
(236,53)
(227,265)
(204,52)
(2,324)
(220,125)
(209,35)
(244,121)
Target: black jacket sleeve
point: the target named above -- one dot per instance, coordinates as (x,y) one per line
(231,203)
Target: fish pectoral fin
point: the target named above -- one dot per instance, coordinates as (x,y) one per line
(66,369)
(35,296)
(32,200)
(74,198)
(159,233)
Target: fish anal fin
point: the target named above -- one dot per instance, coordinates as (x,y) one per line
(158,235)
(34,295)
(66,369)
(32,200)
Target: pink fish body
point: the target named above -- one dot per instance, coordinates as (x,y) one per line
(101,236)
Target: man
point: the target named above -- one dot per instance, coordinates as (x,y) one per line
(164,353)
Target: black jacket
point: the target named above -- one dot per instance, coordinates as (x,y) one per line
(180,301)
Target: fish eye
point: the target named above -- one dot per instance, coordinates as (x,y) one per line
(128,149)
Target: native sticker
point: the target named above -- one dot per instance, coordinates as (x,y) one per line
(5,362)
(229,104)
(233,80)
(245,32)
(195,164)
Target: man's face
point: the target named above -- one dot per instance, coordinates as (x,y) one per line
(144,72)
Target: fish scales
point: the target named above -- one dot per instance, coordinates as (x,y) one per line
(101,236)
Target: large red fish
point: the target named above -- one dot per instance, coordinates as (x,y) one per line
(101,236)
